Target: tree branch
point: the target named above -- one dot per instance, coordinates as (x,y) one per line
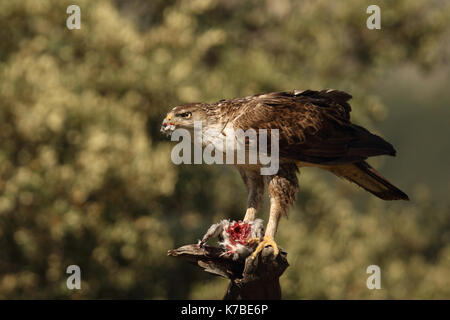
(250,279)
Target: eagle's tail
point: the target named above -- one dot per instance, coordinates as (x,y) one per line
(369,179)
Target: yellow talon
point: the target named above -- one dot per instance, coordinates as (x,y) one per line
(267,241)
(252,241)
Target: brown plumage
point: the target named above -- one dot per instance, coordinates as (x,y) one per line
(314,130)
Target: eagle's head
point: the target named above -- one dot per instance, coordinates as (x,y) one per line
(183,116)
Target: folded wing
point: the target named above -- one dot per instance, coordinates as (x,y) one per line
(314,126)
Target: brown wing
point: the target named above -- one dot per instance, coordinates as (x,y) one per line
(314,126)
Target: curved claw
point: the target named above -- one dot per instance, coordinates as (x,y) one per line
(267,241)
(253,241)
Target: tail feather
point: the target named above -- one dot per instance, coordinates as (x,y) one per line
(369,144)
(369,179)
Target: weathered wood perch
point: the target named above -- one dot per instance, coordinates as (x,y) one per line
(250,279)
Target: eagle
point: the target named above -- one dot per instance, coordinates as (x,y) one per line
(314,131)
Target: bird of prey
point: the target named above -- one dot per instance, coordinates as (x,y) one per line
(314,131)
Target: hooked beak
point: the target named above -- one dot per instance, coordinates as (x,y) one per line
(167,126)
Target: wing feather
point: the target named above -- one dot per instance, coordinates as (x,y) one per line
(314,126)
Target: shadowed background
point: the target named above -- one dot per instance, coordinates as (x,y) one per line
(86,177)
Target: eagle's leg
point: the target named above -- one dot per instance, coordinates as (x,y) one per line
(255,187)
(282,189)
(274,217)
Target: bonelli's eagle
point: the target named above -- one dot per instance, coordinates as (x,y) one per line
(314,131)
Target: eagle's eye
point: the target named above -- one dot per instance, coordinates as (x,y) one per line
(186,115)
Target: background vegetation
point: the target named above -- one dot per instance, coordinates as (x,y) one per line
(86,178)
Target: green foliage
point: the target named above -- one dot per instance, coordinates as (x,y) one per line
(86,178)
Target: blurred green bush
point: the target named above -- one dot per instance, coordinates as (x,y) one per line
(86,179)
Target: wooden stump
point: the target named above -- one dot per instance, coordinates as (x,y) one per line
(250,279)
